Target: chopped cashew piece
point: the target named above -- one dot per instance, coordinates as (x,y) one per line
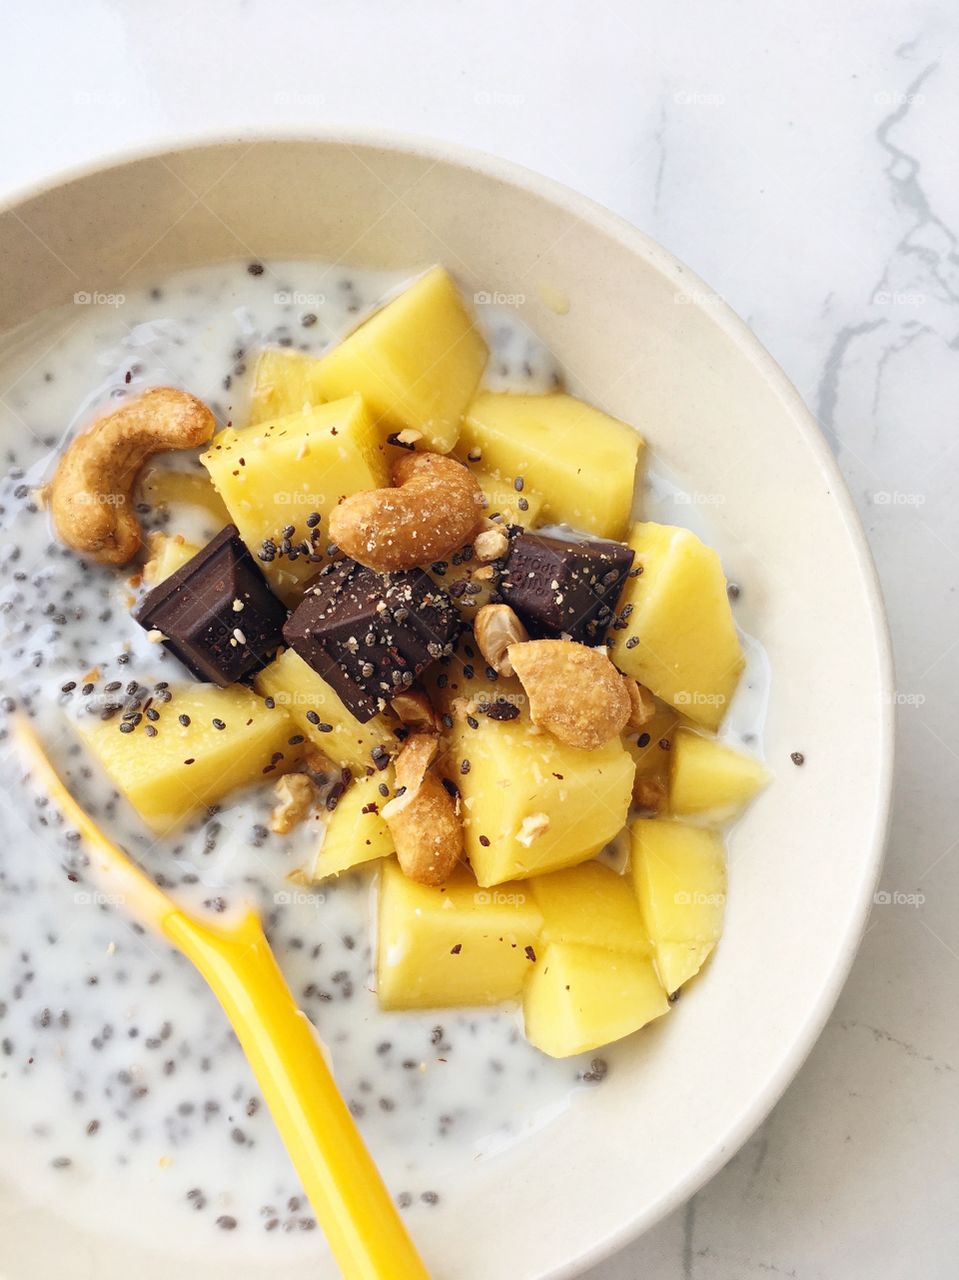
(495,628)
(433,508)
(415,710)
(491,544)
(532,827)
(410,766)
(642,704)
(422,817)
(574,692)
(91,494)
(650,793)
(295,797)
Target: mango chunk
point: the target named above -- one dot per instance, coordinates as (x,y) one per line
(680,639)
(416,362)
(163,487)
(581,460)
(679,873)
(167,554)
(531,804)
(277,473)
(318,712)
(505,500)
(651,750)
(592,905)
(677,962)
(284,383)
(355,831)
(710,779)
(458,945)
(185,768)
(579,998)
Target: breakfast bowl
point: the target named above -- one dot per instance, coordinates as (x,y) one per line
(568,1168)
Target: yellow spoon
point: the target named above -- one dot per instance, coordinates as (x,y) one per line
(354,1208)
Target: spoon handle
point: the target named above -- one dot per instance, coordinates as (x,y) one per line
(362,1225)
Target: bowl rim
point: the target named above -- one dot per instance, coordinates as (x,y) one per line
(635,241)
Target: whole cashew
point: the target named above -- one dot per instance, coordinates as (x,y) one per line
(91,494)
(432,510)
(575,693)
(426,828)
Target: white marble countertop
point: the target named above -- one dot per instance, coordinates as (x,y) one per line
(804,162)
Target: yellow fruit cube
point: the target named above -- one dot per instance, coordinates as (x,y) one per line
(416,362)
(711,779)
(651,750)
(579,998)
(592,905)
(167,554)
(582,461)
(679,873)
(277,473)
(284,383)
(319,713)
(162,487)
(355,831)
(456,945)
(531,804)
(680,639)
(462,675)
(185,768)
(504,499)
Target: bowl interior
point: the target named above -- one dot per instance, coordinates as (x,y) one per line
(640,337)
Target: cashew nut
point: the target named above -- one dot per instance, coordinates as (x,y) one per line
(426,828)
(642,704)
(495,628)
(432,510)
(491,544)
(531,828)
(415,710)
(574,692)
(651,794)
(91,494)
(295,795)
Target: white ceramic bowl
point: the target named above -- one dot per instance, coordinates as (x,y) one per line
(644,339)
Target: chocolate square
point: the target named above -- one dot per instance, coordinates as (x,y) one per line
(216,613)
(565,586)
(369,635)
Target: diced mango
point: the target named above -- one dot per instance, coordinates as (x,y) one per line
(416,362)
(581,460)
(679,873)
(185,768)
(651,750)
(277,473)
(531,804)
(167,554)
(457,945)
(579,998)
(677,962)
(318,712)
(162,487)
(355,831)
(592,905)
(680,639)
(284,383)
(462,674)
(709,778)
(504,499)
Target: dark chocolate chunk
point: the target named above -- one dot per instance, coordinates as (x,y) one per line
(369,635)
(565,586)
(216,613)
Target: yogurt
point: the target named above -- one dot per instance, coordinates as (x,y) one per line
(124,1097)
